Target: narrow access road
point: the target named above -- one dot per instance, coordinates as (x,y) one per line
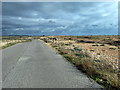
(35,65)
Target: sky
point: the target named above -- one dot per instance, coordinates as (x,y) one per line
(59,18)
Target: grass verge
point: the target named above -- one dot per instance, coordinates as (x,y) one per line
(98,69)
(11,44)
(95,69)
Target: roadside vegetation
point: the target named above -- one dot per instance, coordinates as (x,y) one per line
(97,56)
(7,41)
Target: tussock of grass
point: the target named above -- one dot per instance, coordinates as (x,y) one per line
(93,68)
(100,70)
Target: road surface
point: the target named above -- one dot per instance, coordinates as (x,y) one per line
(34,65)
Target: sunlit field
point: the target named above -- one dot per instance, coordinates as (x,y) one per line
(7,41)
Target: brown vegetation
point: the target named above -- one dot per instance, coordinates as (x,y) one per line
(7,41)
(95,55)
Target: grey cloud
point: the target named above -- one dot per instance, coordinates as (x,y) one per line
(58,17)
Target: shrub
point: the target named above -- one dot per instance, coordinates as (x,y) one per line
(112,48)
(81,55)
(77,49)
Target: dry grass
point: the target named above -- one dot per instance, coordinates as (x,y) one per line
(8,41)
(97,58)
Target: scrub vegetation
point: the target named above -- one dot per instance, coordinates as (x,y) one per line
(7,41)
(97,56)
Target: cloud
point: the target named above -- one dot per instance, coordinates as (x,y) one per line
(66,18)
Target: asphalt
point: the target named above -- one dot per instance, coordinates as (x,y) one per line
(35,65)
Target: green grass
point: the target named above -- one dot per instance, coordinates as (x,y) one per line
(8,45)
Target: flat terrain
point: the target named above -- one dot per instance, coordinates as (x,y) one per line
(97,56)
(7,41)
(35,65)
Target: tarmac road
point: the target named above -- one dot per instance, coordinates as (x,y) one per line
(35,65)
